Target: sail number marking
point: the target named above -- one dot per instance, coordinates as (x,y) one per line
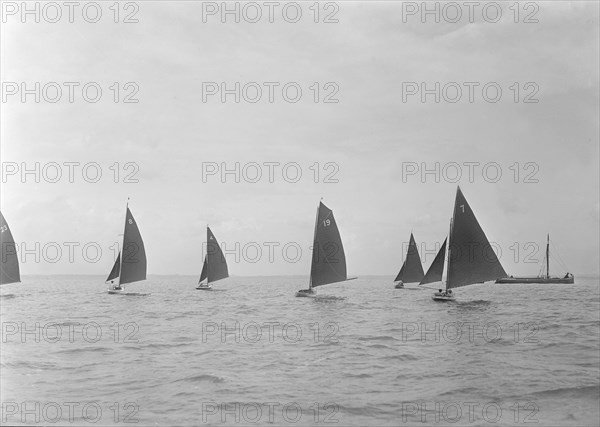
(326,223)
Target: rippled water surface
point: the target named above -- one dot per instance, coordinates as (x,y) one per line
(249,352)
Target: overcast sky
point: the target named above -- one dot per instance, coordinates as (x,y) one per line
(369,136)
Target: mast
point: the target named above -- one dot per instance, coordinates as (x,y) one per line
(314,241)
(123,242)
(548,256)
(449,244)
(206,258)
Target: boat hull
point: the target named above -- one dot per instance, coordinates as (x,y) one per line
(399,286)
(442,297)
(306,293)
(542,280)
(204,288)
(117,292)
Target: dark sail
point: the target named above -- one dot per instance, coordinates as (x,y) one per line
(471,259)
(133,267)
(204,273)
(412,270)
(10,260)
(216,264)
(329,260)
(436,269)
(114,273)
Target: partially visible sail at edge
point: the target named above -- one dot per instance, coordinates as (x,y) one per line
(215,264)
(329,259)
(116,270)
(133,264)
(10,261)
(436,269)
(471,258)
(412,270)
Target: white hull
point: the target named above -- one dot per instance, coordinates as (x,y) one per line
(204,288)
(117,292)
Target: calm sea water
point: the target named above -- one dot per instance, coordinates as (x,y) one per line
(250,353)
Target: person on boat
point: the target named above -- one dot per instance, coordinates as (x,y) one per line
(439,291)
(566,276)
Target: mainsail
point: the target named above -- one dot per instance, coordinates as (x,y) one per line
(412,270)
(436,269)
(471,258)
(215,266)
(133,264)
(114,273)
(328,260)
(10,261)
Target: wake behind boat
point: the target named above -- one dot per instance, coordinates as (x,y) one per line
(412,269)
(215,266)
(541,278)
(131,267)
(471,258)
(328,260)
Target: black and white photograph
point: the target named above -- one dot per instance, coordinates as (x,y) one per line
(300,213)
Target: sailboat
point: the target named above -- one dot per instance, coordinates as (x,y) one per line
(130,265)
(328,258)
(411,270)
(541,278)
(215,266)
(471,259)
(436,269)
(10,261)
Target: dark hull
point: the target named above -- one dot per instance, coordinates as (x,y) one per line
(308,293)
(565,280)
(442,296)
